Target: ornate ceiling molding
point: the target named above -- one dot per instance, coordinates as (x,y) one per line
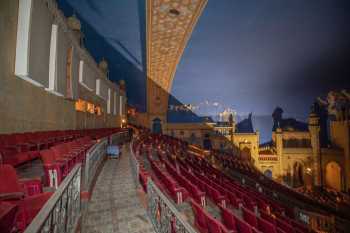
(169,27)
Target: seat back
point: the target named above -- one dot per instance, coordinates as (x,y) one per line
(10,187)
(228,219)
(284,225)
(267,217)
(214,225)
(47,156)
(250,217)
(200,217)
(58,151)
(265,226)
(243,227)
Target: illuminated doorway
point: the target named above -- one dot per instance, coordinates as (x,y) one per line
(298,174)
(246,154)
(333,176)
(157,125)
(268,173)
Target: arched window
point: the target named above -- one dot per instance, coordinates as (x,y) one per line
(333,176)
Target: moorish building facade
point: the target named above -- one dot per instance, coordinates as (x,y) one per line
(316,153)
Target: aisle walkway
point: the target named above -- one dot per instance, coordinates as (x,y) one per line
(115,205)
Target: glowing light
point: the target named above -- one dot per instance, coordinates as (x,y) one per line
(80,105)
(308,170)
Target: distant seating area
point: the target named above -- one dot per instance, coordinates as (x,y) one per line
(188,178)
(19,148)
(327,197)
(322,198)
(57,152)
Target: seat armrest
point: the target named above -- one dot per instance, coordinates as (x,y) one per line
(11,196)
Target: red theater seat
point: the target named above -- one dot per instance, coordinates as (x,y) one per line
(7,216)
(29,207)
(228,219)
(14,158)
(250,217)
(200,220)
(243,227)
(284,225)
(55,170)
(12,191)
(215,226)
(235,201)
(265,226)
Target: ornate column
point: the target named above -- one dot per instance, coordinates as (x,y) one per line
(314,129)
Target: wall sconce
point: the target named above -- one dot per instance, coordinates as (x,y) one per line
(308,170)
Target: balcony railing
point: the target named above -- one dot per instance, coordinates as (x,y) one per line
(118,138)
(62,211)
(94,158)
(134,166)
(163,214)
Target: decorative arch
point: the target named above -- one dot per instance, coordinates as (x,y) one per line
(268,173)
(333,177)
(246,153)
(157,125)
(193,138)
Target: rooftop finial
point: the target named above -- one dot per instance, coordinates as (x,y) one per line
(74,23)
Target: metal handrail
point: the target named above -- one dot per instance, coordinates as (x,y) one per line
(117,137)
(62,211)
(94,158)
(134,164)
(163,214)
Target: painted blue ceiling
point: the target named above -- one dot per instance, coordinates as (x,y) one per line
(250,55)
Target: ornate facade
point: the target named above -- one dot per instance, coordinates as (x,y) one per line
(316,155)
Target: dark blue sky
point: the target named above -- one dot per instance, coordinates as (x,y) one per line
(255,55)
(251,55)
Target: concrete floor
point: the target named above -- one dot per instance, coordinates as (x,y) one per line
(117,206)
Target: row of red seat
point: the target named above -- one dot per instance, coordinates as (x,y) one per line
(245,168)
(226,182)
(251,202)
(60,159)
(171,171)
(19,148)
(143,175)
(236,224)
(168,183)
(258,210)
(22,199)
(206,223)
(193,190)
